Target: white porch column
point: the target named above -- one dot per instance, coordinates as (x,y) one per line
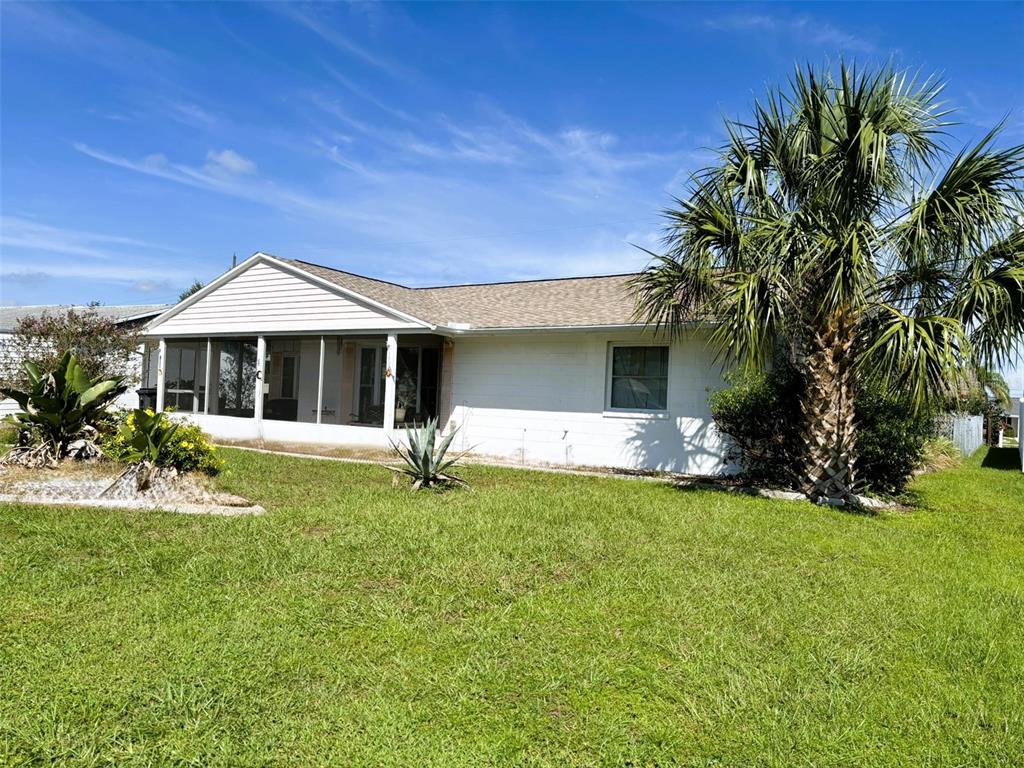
(209,375)
(261,365)
(161,365)
(320,383)
(390,370)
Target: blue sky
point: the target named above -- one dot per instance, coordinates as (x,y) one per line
(143,144)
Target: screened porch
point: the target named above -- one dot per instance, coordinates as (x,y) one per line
(303,379)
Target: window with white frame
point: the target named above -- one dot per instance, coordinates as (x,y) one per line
(637,377)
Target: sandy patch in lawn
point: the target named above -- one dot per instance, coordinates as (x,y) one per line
(92,484)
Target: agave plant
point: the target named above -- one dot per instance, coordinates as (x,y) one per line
(59,413)
(425,463)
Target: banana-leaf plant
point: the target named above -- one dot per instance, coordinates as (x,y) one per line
(60,414)
(426,461)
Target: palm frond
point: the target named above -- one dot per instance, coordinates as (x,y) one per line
(920,357)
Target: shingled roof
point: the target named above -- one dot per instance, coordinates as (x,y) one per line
(559,303)
(10,316)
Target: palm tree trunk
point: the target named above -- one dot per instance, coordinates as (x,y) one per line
(828,410)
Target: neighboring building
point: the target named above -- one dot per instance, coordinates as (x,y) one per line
(543,371)
(131,313)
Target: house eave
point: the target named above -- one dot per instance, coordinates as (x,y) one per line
(448,330)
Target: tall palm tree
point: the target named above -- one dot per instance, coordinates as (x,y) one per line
(837,223)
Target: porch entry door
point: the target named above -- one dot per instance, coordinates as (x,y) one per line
(416,384)
(281,401)
(370,380)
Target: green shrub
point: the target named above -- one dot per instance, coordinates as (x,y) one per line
(61,411)
(890,440)
(141,435)
(760,413)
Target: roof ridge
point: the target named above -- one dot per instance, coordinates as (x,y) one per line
(344,272)
(523,282)
(453,285)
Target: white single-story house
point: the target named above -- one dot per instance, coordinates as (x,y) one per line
(126,314)
(541,371)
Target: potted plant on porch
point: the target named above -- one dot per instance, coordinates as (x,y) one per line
(405,396)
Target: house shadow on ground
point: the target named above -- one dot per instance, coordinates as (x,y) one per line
(1001,458)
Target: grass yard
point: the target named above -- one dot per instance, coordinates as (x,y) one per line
(534,619)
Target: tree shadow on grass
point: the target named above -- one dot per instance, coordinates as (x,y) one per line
(1001,458)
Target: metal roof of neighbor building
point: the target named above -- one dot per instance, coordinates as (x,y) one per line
(9,316)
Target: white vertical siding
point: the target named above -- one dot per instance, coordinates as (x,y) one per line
(541,398)
(268,299)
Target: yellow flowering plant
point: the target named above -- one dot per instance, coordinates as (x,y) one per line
(142,435)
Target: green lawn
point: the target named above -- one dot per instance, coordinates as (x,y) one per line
(534,619)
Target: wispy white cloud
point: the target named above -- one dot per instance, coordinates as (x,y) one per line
(800,28)
(34,252)
(142,277)
(488,196)
(367,95)
(191,114)
(312,18)
(228,162)
(76,33)
(23,233)
(264,192)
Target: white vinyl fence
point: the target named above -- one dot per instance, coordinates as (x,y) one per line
(1020,428)
(967,432)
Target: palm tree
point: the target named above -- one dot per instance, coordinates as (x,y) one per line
(837,225)
(994,387)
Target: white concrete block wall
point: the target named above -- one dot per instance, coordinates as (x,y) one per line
(542,398)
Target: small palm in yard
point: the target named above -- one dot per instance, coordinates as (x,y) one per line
(60,413)
(837,223)
(426,464)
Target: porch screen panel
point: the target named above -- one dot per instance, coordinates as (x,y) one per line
(286,397)
(185,376)
(430,382)
(236,378)
(407,385)
(371,385)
